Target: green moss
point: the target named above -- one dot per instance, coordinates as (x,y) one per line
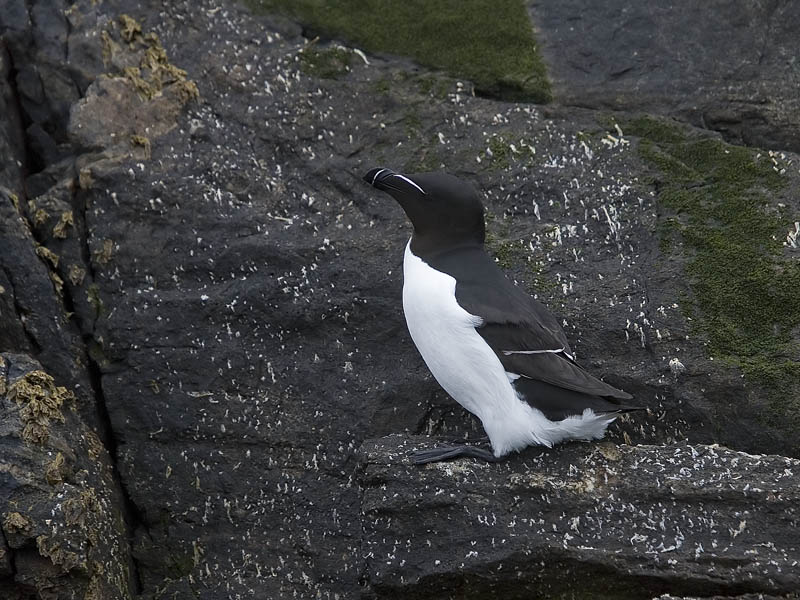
(500,150)
(179,565)
(489,43)
(328,63)
(437,87)
(497,243)
(668,229)
(412,123)
(504,148)
(93,297)
(660,131)
(501,249)
(381,86)
(511,252)
(719,199)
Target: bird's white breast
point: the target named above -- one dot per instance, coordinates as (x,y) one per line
(457,356)
(468,369)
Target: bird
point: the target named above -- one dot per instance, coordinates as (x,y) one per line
(494,349)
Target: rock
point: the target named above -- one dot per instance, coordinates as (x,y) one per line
(34,319)
(212,279)
(724,66)
(63,533)
(580,521)
(11,132)
(739,597)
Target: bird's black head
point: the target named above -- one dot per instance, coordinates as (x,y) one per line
(445,211)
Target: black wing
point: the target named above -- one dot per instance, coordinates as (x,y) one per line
(524,335)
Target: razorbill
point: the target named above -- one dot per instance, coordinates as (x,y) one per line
(498,352)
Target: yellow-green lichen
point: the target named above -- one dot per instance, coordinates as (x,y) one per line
(103,254)
(48,255)
(498,151)
(58,283)
(76,274)
(58,555)
(154,72)
(129,28)
(85,179)
(54,471)
(40,215)
(15,522)
(78,508)
(94,447)
(186,90)
(106,47)
(40,402)
(60,228)
(143,142)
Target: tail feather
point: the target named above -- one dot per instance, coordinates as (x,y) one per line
(557,403)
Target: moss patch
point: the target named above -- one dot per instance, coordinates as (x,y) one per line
(719,199)
(510,252)
(490,43)
(40,402)
(328,63)
(93,297)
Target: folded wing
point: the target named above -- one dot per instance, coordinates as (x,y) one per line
(524,335)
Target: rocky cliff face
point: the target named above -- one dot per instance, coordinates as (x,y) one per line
(206,383)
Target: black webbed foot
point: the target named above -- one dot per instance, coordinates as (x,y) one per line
(421,457)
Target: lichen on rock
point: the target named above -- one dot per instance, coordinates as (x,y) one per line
(153,71)
(65,220)
(15,522)
(40,402)
(54,472)
(137,101)
(48,255)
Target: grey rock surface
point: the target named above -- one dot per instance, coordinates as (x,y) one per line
(236,342)
(62,516)
(726,66)
(581,521)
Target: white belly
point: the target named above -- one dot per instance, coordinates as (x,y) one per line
(444,333)
(467,368)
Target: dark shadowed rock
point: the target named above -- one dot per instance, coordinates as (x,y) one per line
(727,66)
(11,132)
(61,514)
